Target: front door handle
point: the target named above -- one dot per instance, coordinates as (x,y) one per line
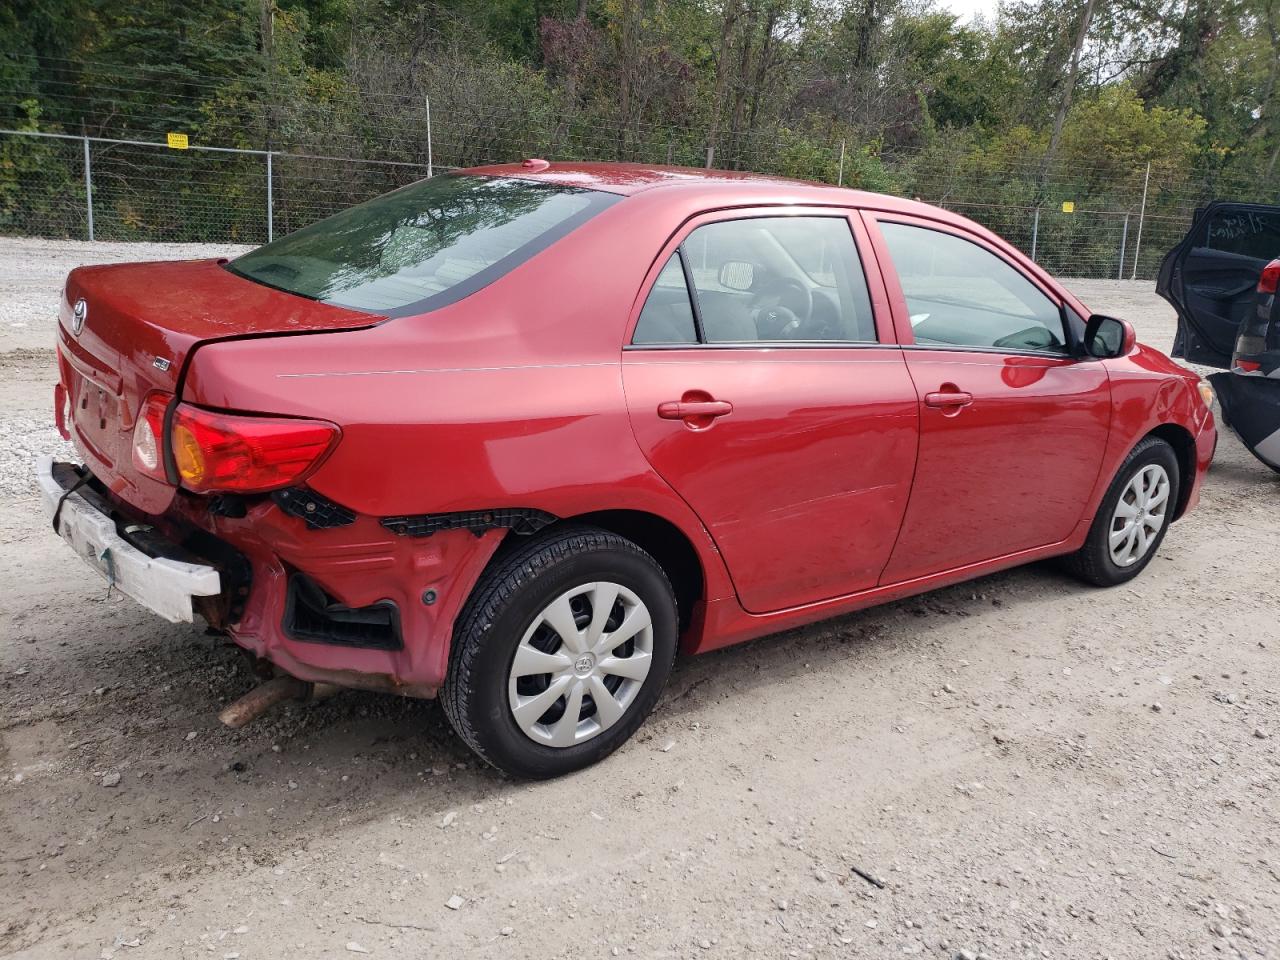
(694,409)
(948,398)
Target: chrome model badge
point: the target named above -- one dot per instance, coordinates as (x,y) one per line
(160,363)
(78,314)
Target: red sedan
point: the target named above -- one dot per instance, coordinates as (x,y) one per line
(514,435)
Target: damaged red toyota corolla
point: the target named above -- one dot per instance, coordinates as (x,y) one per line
(515,435)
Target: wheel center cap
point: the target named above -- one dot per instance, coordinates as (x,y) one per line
(584,665)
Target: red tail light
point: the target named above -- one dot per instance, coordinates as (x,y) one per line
(230,453)
(1270,278)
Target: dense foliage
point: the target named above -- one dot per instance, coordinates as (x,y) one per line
(1048,101)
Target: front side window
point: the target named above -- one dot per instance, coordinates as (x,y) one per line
(761,279)
(423,246)
(960,294)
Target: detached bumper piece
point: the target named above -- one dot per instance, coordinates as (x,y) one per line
(518,519)
(134,558)
(311,614)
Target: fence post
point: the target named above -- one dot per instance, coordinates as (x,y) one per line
(88,186)
(430,163)
(1035,233)
(271,207)
(840,179)
(1124,239)
(1142,215)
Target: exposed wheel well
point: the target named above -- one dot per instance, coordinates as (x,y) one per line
(660,538)
(1184,445)
(666,543)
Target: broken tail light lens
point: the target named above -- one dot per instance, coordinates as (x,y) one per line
(233,453)
(148,450)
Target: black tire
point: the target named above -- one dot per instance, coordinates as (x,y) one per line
(503,605)
(1092,563)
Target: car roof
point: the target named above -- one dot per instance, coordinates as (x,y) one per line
(728,187)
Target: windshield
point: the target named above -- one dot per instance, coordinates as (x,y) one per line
(423,246)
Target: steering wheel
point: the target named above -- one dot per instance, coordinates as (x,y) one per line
(782,309)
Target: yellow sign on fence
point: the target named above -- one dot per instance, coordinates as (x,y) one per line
(177,141)
(1068,206)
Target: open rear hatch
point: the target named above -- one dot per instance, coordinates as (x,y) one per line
(129,329)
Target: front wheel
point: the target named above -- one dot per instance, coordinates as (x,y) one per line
(561,652)
(1133,517)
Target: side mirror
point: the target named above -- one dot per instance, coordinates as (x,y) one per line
(737,275)
(1107,337)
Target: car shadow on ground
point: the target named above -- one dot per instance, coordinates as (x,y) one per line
(155,785)
(1245,471)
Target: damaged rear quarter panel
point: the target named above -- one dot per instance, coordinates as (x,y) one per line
(510,398)
(360,564)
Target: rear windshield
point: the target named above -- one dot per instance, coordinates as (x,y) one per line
(423,246)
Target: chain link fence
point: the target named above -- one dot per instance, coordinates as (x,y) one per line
(83,187)
(96,188)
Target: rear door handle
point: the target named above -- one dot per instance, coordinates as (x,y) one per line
(685,409)
(948,398)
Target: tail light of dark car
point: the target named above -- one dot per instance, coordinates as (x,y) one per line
(216,452)
(1252,339)
(1270,278)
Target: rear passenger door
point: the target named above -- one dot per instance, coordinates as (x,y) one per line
(1211,276)
(764,386)
(1013,423)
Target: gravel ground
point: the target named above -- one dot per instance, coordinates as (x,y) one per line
(32,272)
(31,277)
(1027,767)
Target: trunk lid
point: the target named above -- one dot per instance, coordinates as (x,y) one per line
(127,329)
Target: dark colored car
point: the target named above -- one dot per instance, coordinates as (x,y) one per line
(512,436)
(1222,279)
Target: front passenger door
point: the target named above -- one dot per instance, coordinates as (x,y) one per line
(1012,424)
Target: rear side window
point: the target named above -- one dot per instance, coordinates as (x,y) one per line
(667,316)
(423,246)
(960,294)
(1248,233)
(761,280)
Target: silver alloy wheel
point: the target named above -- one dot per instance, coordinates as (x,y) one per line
(580,664)
(1140,514)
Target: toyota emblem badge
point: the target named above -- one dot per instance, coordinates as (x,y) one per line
(78,314)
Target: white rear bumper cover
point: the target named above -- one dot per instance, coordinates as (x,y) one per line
(161,585)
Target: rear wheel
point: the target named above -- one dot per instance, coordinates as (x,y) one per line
(1133,517)
(561,652)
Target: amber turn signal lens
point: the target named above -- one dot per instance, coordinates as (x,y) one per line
(1206,392)
(187,456)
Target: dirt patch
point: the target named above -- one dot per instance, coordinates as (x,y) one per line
(1030,767)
